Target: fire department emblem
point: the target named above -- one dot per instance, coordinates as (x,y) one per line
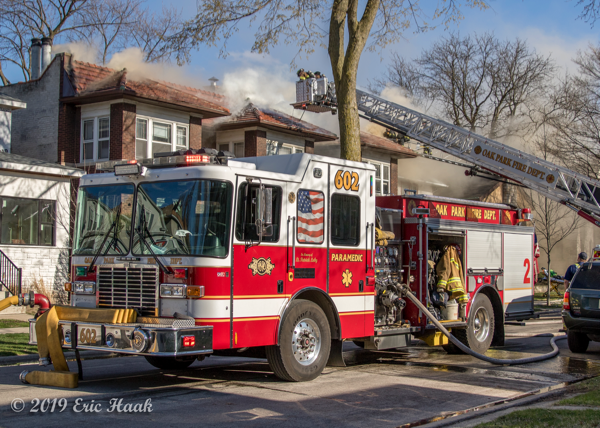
(550,179)
(261,266)
(347,278)
(292,197)
(477,150)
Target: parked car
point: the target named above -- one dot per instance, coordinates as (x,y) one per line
(581,307)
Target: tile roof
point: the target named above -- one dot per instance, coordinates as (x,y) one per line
(253,115)
(90,80)
(380,144)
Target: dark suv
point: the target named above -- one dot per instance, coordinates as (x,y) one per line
(581,307)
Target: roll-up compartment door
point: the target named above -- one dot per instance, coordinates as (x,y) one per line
(518,274)
(484,250)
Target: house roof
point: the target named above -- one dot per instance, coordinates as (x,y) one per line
(253,115)
(11,103)
(383,145)
(26,164)
(92,83)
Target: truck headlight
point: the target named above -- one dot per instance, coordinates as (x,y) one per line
(175,291)
(84,287)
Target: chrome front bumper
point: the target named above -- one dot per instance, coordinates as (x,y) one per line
(166,338)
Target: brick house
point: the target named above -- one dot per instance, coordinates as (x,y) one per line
(259,131)
(82,113)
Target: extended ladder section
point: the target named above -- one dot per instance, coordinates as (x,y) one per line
(576,191)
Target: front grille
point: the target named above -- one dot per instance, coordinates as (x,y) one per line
(136,288)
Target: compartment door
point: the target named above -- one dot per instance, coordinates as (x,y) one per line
(518,273)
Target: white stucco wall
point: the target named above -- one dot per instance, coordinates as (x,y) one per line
(50,264)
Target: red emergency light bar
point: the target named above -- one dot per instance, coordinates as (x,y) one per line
(197,159)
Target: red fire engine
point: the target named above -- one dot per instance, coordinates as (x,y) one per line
(279,253)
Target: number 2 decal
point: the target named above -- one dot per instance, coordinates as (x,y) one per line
(347,180)
(527,264)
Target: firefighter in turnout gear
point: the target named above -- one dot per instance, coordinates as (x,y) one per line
(451,278)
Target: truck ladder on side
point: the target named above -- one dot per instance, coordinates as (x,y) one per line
(576,191)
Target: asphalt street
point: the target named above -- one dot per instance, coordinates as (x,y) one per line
(386,389)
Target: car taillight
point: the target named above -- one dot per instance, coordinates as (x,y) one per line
(566,302)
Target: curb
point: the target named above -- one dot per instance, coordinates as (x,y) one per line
(69,355)
(454,418)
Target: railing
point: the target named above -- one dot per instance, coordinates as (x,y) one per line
(10,275)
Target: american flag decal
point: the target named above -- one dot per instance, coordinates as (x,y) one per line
(310,216)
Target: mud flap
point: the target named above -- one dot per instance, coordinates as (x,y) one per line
(336,357)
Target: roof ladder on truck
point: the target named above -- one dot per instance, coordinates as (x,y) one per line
(576,191)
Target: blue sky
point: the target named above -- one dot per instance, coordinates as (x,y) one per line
(551,26)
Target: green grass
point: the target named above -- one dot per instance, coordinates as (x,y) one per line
(6,323)
(16,344)
(590,396)
(544,418)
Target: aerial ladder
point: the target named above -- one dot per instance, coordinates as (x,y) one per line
(576,191)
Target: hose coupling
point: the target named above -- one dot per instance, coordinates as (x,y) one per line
(45,361)
(23,375)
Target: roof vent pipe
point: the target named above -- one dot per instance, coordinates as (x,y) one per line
(46,53)
(35,61)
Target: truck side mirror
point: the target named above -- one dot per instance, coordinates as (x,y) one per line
(264,211)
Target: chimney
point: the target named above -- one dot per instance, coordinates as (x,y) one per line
(36,50)
(213,83)
(46,53)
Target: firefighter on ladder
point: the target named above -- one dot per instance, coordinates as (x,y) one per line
(451,278)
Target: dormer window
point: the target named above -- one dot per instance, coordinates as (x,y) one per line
(157,136)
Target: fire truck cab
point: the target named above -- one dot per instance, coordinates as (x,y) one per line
(281,254)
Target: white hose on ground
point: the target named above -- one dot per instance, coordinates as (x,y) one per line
(469,351)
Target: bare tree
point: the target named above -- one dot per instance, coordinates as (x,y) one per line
(477,81)
(339,25)
(106,25)
(553,221)
(590,12)
(577,117)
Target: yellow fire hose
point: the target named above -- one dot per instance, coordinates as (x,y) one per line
(49,340)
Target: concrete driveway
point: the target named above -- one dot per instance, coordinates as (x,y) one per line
(384,389)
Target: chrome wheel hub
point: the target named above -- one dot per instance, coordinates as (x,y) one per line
(481,324)
(306,341)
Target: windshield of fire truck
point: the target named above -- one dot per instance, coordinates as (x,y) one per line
(183,218)
(103,211)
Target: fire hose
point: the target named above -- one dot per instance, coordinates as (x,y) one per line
(408,293)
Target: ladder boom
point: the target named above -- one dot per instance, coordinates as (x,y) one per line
(574,190)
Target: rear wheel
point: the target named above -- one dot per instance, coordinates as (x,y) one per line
(578,342)
(170,363)
(480,328)
(304,343)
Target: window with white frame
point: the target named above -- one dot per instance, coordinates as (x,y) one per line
(278,148)
(157,136)
(236,148)
(382,177)
(95,139)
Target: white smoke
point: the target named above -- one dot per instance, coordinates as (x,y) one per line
(80,50)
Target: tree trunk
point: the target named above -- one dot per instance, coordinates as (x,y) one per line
(344,64)
(349,123)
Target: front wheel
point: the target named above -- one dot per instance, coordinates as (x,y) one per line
(304,343)
(480,329)
(170,363)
